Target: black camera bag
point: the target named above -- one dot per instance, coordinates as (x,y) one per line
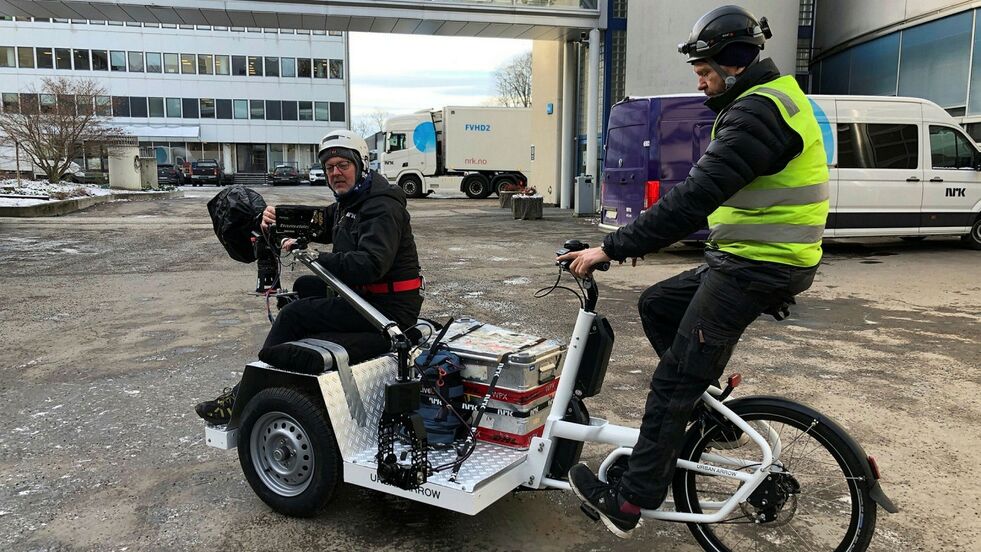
(235,212)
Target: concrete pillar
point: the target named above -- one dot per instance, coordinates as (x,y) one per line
(592,105)
(546,90)
(567,139)
(124,168)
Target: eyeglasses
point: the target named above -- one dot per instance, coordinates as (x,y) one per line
(342,166)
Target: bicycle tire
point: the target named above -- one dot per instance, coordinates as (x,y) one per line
(815,449)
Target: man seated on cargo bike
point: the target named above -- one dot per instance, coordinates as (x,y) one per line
(763,186)
(374,252)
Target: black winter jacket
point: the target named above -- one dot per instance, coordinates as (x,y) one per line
(373,243)
(751,140)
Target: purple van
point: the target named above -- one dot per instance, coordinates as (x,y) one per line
(651,145)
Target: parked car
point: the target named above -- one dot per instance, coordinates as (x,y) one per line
(317,176)
(285,174)
(206,171)
(168,174)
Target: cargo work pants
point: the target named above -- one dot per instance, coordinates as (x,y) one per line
(694,321)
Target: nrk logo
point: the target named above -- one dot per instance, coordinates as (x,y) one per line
(476,127)
(475,161)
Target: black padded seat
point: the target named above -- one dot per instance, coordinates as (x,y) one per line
(308,356)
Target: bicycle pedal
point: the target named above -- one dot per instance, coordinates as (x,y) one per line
(590,513)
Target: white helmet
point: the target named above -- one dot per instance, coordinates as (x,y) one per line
(354,147)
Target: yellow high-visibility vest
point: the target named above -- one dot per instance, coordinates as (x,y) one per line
(780,218)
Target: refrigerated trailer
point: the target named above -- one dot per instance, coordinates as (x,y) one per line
(483,150)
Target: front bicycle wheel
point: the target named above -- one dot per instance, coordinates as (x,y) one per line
(815,497)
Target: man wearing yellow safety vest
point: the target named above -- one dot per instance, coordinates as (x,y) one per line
(763,186)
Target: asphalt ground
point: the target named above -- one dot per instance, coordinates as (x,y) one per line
(117,319)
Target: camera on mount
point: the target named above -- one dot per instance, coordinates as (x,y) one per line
(300,222)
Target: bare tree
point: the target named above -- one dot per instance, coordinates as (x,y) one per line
(513,80)
(51,126)
(370,123)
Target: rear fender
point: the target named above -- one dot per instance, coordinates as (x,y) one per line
(853,447)
(259,376)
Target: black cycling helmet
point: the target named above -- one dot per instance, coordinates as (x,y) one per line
(721,27)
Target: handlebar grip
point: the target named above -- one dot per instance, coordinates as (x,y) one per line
(602,267)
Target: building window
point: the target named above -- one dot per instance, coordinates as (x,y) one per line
(153,62)
(103,106)
(207,108)
(618,65)
(241,109)
(136,62)
(322,111)
(289,67)
(321,68)
(48,103)
(303,67)
(28,103)
(335,33)
(137,107)
(187,64)
(206,64)
(172,63)
(877,146)
(10,102)
(620,9)
(221,65)
(806,14)
(274,110)
(289,111)
(173,107)
(120,106)
(156,107)
(45,58)
(337,68)
(257,109)
(223,109)
(100,60)
(306,111)
(63,58)
(272,66)
(7,57)
(255,66)
(337,112)
(117,61)
(239,66)
(190,106)
(935,60)
(25,57)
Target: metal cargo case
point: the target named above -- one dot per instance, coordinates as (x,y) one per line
(533,360)
(513,431)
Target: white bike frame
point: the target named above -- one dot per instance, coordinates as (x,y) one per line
(601,431)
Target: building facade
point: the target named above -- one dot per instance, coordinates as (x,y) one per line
(250,98)
(926,49)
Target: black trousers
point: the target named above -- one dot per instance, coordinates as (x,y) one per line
(694,321)
(314,313)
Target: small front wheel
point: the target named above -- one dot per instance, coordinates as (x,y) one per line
(815,497)
(411,186)
(288,452)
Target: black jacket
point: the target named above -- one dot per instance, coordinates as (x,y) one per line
(373,243)
(751,140)
(372,237)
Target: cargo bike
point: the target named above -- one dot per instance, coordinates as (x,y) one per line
(758,472)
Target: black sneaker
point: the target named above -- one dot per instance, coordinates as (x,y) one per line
(219,410)
(603,499)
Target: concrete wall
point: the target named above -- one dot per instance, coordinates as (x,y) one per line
(656,27)
(546,62)
(837,21)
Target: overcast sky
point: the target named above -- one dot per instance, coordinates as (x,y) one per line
(406,73)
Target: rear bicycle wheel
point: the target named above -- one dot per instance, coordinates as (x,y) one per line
(816,497)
